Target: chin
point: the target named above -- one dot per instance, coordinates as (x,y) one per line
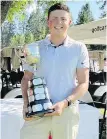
(59,33)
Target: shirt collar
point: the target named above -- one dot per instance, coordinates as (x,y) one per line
(65,43)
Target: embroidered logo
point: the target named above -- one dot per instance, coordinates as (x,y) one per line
(82,63)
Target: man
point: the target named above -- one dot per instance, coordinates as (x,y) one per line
(62,61)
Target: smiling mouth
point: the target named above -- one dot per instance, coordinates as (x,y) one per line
(58,27)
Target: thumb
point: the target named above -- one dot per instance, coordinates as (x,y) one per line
(52,107)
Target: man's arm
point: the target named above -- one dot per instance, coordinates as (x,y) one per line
(82,73)
(24,85)
(83,82)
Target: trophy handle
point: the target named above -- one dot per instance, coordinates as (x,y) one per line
(22,60)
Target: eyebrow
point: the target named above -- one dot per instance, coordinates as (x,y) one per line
(57,17)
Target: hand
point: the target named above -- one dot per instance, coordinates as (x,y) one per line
(25,110)
(58,108)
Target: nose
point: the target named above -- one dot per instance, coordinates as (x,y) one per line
(59,21)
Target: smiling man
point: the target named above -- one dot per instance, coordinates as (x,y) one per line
(63,60)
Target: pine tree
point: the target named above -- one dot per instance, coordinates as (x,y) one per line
(85,15)
(103,8)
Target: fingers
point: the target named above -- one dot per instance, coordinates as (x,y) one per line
(55,113)
(29,119)
(52,107)
(25,110)
(24,114)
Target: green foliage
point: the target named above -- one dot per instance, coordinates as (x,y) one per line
(5,5)
(36,24)
(102,7)
(22,25)
(29,38)
(85,15)
(7,31)
(17,40)
(10,9)
(17,8)
(102,4)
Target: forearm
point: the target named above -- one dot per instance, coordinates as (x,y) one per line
(24,85)
(78,92)
(24,88)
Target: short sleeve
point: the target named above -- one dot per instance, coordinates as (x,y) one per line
(39,70)
(34,69)
(83,61)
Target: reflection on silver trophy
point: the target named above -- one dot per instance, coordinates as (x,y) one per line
(38,95)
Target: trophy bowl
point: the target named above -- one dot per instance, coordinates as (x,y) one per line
(38,94)
(31,53)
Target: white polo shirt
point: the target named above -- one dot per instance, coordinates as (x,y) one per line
(58,66)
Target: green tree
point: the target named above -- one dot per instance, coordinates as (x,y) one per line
(102,7)
(22,25)
(36,25)
(29,38)
(21,39)
(7,31)
(17,40)
(85,15)
(5,5)
(10,8)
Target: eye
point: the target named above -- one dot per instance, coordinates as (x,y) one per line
(63,19)
(54,19)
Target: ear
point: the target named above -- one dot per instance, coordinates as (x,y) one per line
(70,22)
(47,22)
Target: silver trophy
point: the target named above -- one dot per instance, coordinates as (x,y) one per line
(38,95)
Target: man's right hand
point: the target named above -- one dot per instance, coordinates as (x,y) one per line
(28,118)
(25,110)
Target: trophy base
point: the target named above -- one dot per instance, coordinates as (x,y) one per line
(38,114)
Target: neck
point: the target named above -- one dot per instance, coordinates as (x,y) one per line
(57,40)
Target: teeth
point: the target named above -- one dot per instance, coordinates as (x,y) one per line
(58,27)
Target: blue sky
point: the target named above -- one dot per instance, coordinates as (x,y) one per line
(75,7)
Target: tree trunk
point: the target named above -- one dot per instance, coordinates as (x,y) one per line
(5,5)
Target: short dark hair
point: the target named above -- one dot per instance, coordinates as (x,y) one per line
(58,6)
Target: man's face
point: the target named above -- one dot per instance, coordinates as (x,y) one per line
(58,22)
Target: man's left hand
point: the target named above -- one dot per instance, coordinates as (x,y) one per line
(58,108)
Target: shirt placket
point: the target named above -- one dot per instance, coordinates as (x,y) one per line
(54,62)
